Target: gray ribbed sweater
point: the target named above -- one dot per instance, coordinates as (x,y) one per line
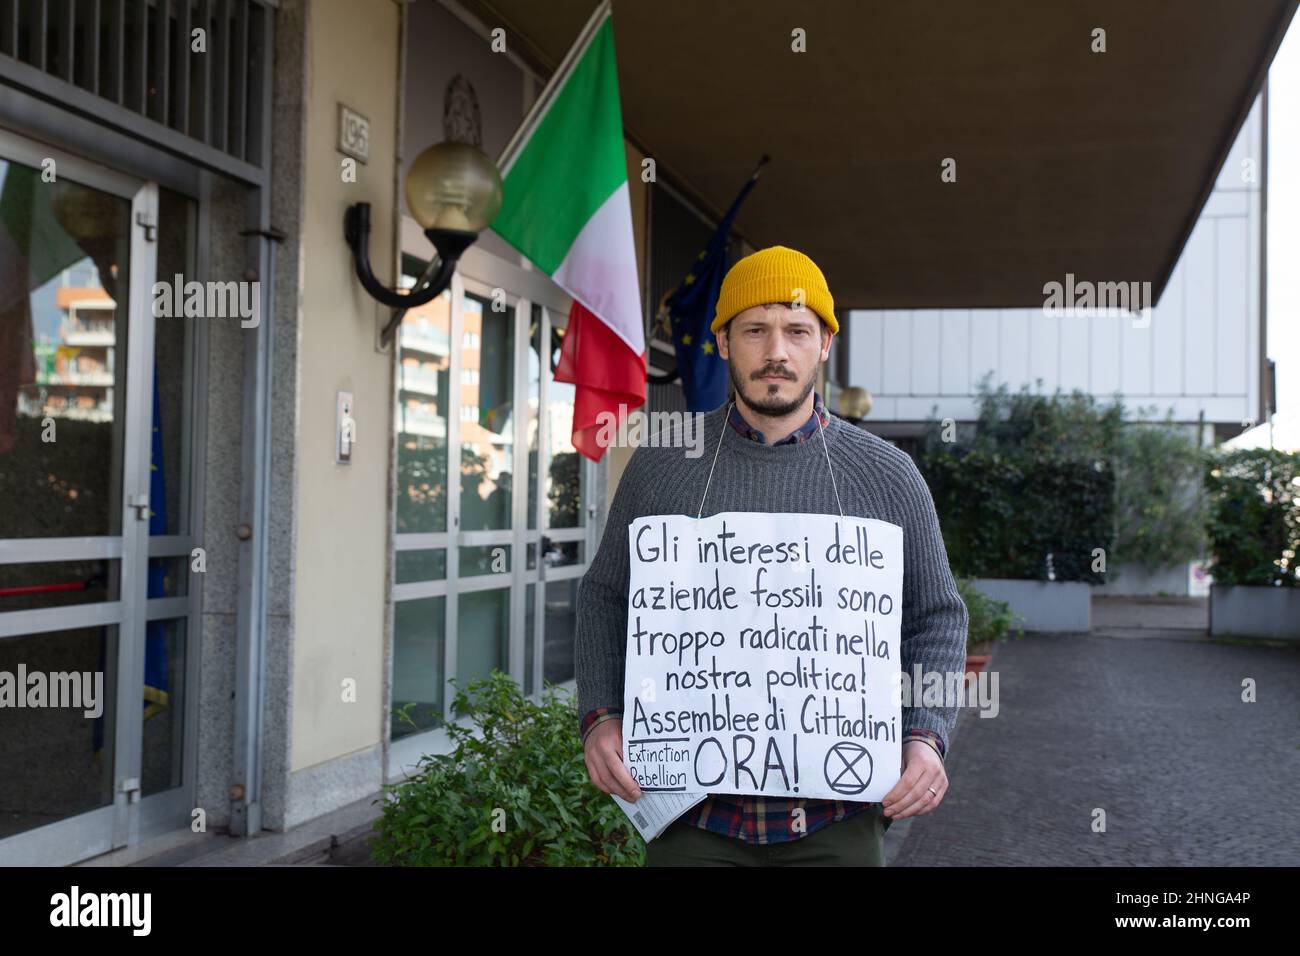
(875,480)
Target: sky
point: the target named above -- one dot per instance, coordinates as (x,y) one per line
(1283,275)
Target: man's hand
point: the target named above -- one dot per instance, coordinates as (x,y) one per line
(604,755)
(922,769)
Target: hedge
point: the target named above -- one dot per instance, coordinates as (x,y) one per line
(1254,523)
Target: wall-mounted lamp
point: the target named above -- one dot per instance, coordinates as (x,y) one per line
(454,192)
(855,403)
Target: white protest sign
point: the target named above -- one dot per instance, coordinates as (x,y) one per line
(763,655)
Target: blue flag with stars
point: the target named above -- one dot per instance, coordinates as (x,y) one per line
(690,310)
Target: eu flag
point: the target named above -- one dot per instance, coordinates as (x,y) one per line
(690,309)
(157,672)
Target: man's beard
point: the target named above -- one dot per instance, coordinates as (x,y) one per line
(772,406)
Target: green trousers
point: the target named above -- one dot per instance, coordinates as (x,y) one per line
(855,841)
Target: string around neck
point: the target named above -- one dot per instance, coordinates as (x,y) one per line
(726,419)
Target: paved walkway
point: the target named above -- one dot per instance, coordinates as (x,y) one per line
(1152,729)
(338,838)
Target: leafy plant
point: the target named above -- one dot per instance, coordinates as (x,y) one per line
(990,620)
(1254,519)
(1160,502)
(1041,482)
(1025,520)
(513,792)
(1040,427)
(1029,492)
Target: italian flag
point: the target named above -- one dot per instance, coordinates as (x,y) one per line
(566,207)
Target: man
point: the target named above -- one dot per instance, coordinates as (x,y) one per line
(776,449)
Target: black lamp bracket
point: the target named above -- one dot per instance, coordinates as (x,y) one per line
(450,243)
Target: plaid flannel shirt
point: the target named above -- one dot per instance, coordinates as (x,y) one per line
(767,819)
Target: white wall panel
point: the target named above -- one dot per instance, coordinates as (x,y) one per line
(866,350)
(897,354)
(1232,306)
(1167,323)
(927,351)
(954,356)
(1103,354)
(1045,348)
(1075,352)
(1013,347)
(984,334)
(1135,348)
(1198,309)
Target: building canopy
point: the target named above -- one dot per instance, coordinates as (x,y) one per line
(1075,152)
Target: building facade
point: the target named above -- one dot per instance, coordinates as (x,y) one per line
(248,543)
(277,627)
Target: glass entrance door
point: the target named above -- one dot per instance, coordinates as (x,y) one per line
(89,636)
(487,554)
(565,514)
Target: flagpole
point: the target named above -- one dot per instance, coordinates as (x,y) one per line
(547,96)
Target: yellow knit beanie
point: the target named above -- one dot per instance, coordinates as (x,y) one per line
(774,274)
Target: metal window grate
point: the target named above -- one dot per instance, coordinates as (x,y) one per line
(139,55)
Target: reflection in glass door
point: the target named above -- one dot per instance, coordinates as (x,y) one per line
(485,503)
(557,554)
(477,545)
(85,460)
(423,425)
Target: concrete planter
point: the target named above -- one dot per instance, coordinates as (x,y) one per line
(1133,580)
(1254,612)
(1043,605)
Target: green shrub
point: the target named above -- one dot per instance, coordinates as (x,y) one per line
(1039,427)
(518,770)
(1254,522)
(990,620)
(1003,518)
(1160,503)
(1062,476)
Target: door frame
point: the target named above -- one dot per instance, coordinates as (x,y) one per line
(129,818)
(485,271)
(479,272)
